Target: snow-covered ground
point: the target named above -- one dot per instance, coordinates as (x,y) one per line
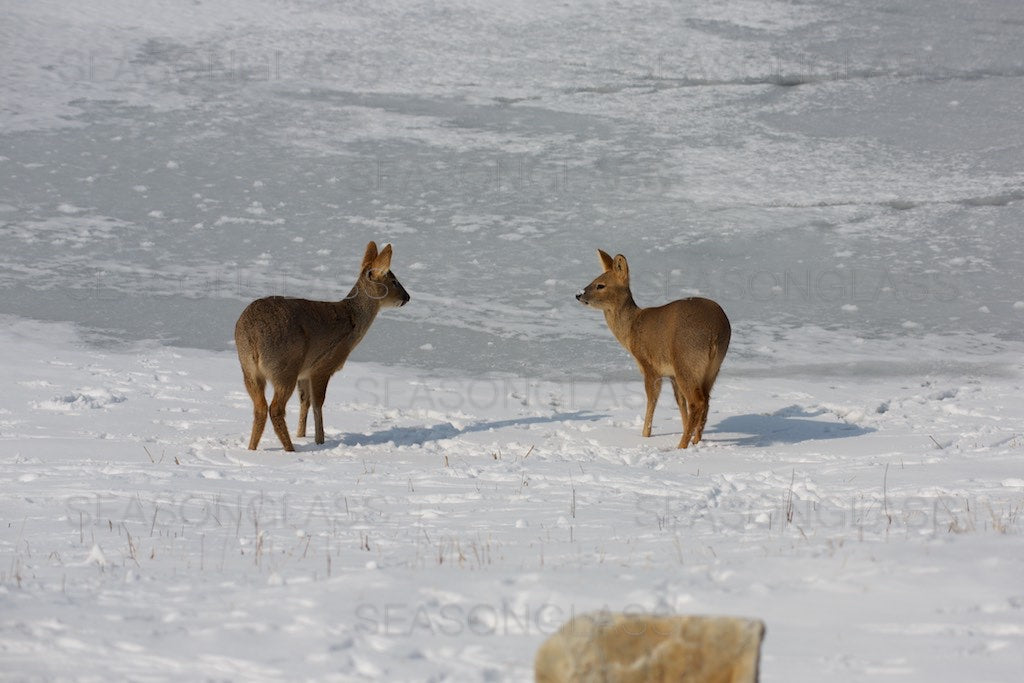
(449,524)
(843,177)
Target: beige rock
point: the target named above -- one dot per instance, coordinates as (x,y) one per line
(607,647)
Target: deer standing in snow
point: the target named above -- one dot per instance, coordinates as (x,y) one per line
(298,342)
(684,340)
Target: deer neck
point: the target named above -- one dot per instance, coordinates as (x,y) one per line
(360,306)
(621,318)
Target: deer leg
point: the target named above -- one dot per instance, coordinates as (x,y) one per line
(256,386)
(709,382)
(696,405)
(282,392)
(304,391)
(319,389)
(652,386)
(703,417)
(684,409)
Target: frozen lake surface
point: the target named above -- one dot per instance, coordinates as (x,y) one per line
(813,164)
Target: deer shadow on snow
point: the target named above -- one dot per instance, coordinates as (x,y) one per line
(789,425)
(418,435)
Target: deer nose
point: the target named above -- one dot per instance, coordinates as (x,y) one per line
(579,296)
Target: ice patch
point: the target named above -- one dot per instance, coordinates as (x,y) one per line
(238,220)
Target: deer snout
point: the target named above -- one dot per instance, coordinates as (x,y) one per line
(579,296)
(405,299)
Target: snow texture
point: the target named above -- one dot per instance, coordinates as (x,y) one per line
(844,178)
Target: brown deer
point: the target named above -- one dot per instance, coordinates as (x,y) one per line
(301,342)
(684,340)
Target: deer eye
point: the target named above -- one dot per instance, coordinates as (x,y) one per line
(600,286)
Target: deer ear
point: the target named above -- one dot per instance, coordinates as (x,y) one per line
(606,260)
(621,267)
(369,256)
(382,263)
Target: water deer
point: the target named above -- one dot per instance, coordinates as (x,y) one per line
(301,342)
(684,340)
